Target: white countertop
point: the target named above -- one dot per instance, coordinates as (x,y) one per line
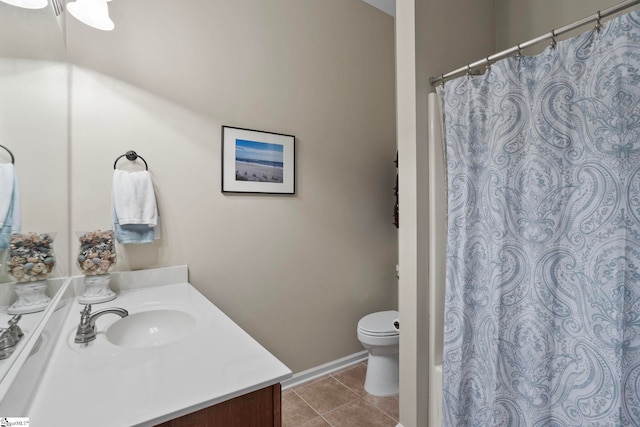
(101,384)
(27,324)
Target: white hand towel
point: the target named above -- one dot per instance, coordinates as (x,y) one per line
(10,219)
(133,233)
(9,197)
(7,176)
(133,198)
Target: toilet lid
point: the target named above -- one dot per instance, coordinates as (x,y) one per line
(380,323)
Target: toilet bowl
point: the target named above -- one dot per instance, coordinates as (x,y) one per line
(378,336)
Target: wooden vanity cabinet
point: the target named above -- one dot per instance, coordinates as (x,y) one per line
(260,408)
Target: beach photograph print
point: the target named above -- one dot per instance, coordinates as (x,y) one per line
(255,161)
(259,161)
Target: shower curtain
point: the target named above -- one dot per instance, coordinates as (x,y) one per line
(542,304)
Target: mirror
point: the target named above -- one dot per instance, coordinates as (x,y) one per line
(34,126)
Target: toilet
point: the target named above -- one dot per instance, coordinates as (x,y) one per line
(379,336)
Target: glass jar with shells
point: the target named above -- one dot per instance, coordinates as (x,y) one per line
(96,259)
(30,261)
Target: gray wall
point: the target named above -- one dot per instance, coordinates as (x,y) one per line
(296,272)
(521,20)
(432,37)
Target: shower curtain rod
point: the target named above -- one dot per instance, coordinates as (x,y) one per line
(549,36)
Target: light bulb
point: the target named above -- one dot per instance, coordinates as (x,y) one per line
(27,4)
(94,13)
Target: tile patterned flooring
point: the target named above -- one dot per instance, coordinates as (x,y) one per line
(338,400)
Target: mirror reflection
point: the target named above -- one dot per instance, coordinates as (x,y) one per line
(34,128)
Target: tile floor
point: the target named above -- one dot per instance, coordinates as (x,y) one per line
(338,400)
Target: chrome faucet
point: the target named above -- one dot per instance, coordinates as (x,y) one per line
(10,336)
(87,328)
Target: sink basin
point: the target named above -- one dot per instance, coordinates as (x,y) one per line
(151,328)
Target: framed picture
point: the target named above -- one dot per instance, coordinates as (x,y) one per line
(257,162)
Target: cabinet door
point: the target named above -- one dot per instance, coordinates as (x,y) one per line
(258,409)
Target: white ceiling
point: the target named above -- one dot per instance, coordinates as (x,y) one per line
(387,6)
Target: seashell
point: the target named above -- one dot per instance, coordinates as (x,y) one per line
(39,268)
(17,260)
(88,265)
(105,254)
(96,261)
(49,260)
(32,259)
(81,257)
(93,255)
(28,266)
(17,272)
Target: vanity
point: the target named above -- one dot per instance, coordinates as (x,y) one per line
(174,360)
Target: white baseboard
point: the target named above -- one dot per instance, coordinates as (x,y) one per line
(399,425)
(327,368)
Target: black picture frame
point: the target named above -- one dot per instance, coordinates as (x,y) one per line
(255,161)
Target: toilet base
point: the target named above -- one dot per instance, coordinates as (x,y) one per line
(382,377)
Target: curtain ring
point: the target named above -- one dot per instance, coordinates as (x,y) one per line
(598,23)
(487,67)
(519,54)
(554,43)
(442,80)
(468,69)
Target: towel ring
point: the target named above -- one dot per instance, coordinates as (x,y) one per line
(130,155)
(13,160)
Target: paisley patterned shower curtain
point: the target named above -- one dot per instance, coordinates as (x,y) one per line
(542,316)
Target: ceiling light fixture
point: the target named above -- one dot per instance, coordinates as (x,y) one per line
(94,13)
(27,4)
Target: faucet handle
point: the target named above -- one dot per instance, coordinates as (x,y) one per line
(15,319)
(14,329)
(85,332)
(7,343)
(85,314)
(6,338)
